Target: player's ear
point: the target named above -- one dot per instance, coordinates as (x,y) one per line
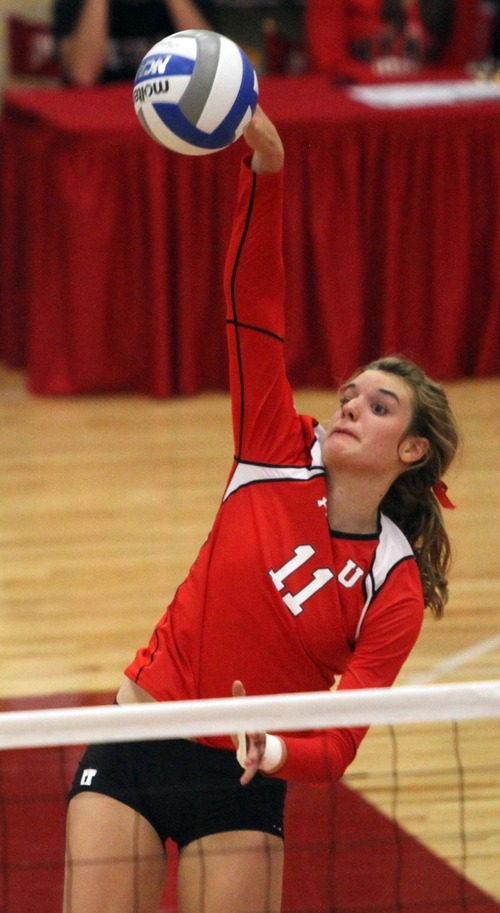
(412,449)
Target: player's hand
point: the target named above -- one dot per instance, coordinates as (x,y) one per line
(263,137)
(251,753)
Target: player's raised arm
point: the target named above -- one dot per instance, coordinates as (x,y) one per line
(262,136)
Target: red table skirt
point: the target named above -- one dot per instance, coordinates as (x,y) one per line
(112,249)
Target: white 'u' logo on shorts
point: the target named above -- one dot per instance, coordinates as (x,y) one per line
(87,776)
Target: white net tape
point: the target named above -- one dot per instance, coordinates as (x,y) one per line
(282,712)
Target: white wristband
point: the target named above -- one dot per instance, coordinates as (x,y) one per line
(242,749)
(273,752)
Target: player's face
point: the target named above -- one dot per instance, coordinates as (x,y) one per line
(369,429)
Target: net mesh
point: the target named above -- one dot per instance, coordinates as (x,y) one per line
(413,826)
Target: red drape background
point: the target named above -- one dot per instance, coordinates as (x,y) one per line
(111,248)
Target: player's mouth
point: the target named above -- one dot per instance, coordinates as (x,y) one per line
(345,431)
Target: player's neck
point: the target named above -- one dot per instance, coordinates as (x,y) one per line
(353,505)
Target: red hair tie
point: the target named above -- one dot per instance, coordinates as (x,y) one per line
(439,488)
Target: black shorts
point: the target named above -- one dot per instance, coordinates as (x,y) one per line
(184,789)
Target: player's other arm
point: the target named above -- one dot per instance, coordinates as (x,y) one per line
(388,635)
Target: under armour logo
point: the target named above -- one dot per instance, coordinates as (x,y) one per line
(87,776)
(322,503)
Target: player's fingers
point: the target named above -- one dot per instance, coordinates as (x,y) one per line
(239,739)
(238,689)
(256,746)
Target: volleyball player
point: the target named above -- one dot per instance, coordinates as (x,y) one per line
(325,550)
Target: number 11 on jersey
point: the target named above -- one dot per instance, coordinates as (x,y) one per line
(320,577)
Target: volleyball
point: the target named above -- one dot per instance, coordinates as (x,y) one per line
(195,92)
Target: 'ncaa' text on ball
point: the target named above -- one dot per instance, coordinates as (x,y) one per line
(153,66)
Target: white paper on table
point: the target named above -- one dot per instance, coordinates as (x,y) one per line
(418,94)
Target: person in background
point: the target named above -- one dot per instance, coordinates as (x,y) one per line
(104,40)
(494,43)
(362,40)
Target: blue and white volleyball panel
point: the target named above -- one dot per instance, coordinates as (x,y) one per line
(195,92)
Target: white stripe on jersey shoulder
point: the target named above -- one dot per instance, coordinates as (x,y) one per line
(393,547)
(248,473)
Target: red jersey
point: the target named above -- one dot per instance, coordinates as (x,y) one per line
(275,598)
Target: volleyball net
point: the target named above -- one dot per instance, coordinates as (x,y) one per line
(413,826)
